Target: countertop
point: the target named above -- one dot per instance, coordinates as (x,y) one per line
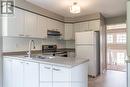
(55,60)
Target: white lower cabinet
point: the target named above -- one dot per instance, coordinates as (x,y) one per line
(18,73)
(61,74)
(31,74)
(128,75)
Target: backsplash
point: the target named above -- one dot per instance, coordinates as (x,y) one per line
(13,44)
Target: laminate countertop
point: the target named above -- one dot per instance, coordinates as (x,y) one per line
(53,60)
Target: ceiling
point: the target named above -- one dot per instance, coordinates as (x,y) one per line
(109,8)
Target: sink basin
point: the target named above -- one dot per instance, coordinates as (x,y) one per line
(39,57)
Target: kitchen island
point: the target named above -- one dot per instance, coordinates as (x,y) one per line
(21,71)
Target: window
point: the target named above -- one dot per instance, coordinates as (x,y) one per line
(120,58)
(121,38)
(109,38)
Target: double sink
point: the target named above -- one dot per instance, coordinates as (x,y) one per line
(39,57)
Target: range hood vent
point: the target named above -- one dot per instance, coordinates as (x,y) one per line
(53,33)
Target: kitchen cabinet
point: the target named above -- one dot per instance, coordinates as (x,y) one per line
(45,75)
(128,25)
(84,26)
(7,73)
(80,27)
(23,73)
(128,74)
(41,27)
(31,74)
(30,24)
(14,25)
(61,74)
(94,25)
(69,32)
(25,24)
(77,27)
(55,26)
(18,73)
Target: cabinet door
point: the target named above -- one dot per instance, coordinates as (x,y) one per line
(14,25)
(128,73)
(94,25)
(61,74)
(69,32)
(30,24)
(84,26)
(45,73)
(77,27)
(7,72)
(41,27)
(17,70)
(31,74)
(61,84)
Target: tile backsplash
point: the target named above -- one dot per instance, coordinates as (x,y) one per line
(13,44)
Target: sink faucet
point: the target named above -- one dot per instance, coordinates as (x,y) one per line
(30,46)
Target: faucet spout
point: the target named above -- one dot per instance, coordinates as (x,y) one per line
(31,42)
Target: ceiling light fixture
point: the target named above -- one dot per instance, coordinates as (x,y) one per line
(75,8)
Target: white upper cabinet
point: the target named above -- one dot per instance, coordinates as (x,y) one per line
(94,25)
(55,26)
(77,27)
(30,24)
(69,32)
(25,24)
(41,27)
(14,25)
(84,26)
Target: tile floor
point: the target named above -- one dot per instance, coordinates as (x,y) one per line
(109,79)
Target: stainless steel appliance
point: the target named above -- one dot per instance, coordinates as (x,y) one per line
(52,50)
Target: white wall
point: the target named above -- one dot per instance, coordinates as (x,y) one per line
(11,44)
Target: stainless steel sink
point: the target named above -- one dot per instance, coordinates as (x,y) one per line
(39,57)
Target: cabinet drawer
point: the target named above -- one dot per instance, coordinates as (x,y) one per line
(61,74)
(45,72)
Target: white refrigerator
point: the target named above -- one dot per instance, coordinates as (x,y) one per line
(88,46)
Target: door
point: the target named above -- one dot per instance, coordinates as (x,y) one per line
(45,75)
(17,73)
(85,37)
(31,74)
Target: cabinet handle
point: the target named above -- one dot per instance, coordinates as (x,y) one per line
(47,67)
(21,35)
(56,69)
